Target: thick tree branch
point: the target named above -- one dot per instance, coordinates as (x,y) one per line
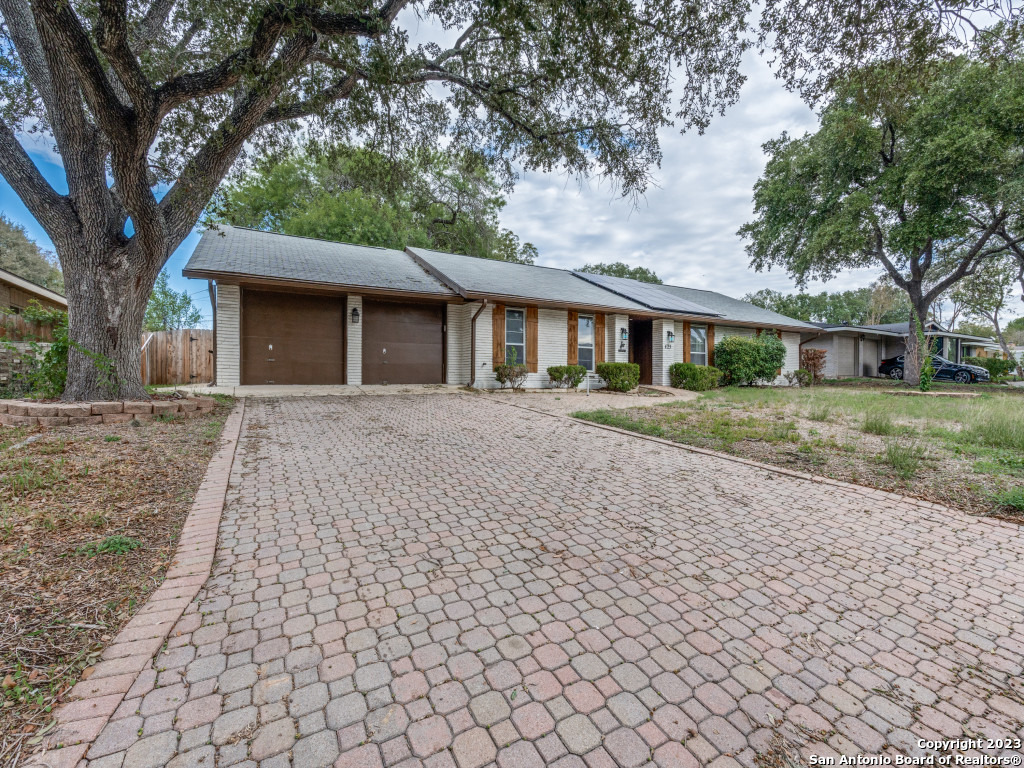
(22,28)
(147,30)
(112,36)
(49,208)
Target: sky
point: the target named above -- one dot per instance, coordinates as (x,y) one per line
(683,228)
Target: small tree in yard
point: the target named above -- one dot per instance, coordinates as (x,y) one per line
(813,361)
(986,294)
(925,184)
(169,310)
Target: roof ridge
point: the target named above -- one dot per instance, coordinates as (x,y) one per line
(307,237)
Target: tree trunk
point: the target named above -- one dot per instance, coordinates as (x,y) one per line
(106,305)
(1006,347)
(914,357)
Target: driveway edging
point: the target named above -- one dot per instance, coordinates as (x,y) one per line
(868,490)
(91,702)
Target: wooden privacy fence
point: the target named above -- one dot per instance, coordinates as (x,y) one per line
(17,328)
(177,357)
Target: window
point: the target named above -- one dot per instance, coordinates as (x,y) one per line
(585,342)
(515,336)
(698,344)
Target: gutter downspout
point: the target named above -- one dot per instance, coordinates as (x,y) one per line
(472,344)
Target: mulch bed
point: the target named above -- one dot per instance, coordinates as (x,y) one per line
(89,520)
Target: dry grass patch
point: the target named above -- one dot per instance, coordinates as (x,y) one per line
(966,453)
(89,519)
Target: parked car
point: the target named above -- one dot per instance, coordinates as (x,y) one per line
(945,369)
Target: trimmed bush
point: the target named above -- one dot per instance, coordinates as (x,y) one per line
(696,378)
(511,375)
(813,361)
(566,376)
(745,360)
(994,365)
(619,377)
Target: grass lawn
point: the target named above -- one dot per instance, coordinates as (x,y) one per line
(967,453)
(89,520)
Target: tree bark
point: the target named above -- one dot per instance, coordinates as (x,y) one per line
(913,358)
(106,305)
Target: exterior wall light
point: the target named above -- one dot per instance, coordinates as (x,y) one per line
(624,333)
(355,315)
(671,337)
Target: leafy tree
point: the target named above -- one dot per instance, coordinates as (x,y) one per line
(151,103)
(620,269)
(984,330)
(20,254)
(986,294)
(1015,331)
(169,310)
(357,195)
(920,188)
(877,304)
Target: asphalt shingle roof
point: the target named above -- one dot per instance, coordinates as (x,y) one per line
(647,294)
(237,250)
(523,281)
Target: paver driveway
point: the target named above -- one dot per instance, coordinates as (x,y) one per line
(451,580)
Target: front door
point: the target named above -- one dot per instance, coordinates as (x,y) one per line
(641,348)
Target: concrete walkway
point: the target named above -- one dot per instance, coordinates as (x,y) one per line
(455,581)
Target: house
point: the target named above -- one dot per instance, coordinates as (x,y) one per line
(294,310)
(857,350)
(16,293)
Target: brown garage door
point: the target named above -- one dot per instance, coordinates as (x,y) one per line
(403,343)
(292,338)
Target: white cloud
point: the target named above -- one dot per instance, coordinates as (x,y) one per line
(685,227)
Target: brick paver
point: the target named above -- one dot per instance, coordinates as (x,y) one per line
(451,580)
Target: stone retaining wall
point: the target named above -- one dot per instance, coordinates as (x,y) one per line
(17,413)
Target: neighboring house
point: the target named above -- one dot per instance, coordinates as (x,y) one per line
(857,350)
(293,310)
(16,292)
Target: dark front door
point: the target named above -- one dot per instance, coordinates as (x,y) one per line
(403,343)
(641,348)
(292,338)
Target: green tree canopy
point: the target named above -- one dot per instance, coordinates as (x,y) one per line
(927,187)
(169,310)
(351,194)
(20,254)
(621,269)
(879,303)
(987,294)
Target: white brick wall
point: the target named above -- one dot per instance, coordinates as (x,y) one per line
(826,343)
(724,331)
(662,353)
(229,341)
(354,342)
(458,341)
(613,327)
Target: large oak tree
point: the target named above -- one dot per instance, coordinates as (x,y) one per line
(149,104)
(928,187)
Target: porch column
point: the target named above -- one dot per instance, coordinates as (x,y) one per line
(229,342)
(663,351)
(615,349)
(353,342)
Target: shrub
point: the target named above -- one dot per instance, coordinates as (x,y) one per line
(750,360)
(995,366)
(566,376)
(813,361)
(696,378)
(619,377)
(800,378)
(511,374)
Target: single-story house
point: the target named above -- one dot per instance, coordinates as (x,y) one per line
(857,350)
(16,293)
(294,310)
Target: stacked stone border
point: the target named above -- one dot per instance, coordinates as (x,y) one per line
(18,413)
(92,701)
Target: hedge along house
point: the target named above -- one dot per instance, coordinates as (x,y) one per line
(293,310)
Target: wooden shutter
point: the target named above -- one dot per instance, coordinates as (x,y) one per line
(574,339)
(498,334)
(598,339)
(711,344)
(531,339)
(686,341)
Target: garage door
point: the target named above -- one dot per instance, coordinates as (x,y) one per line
(846,356)
(403,343)
(292,338)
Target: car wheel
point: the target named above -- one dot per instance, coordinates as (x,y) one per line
(896,373)
(962,377)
